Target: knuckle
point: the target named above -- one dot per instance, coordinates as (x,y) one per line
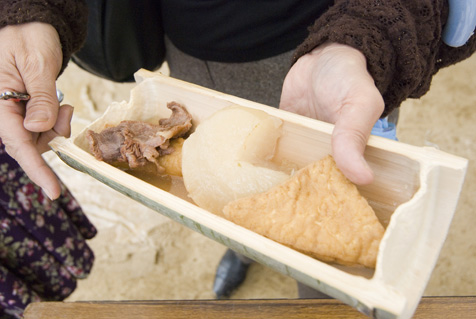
(12,150)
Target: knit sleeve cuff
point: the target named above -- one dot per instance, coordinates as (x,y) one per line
(397,42)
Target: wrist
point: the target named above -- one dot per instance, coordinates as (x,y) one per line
(333,48)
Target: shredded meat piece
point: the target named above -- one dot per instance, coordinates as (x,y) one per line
(178,124)
(137,142)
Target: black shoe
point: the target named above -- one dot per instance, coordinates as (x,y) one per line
(231,272)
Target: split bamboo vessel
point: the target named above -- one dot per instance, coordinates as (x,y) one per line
(415,193)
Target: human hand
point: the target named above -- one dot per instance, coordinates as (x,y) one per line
(332,84)
(30,61)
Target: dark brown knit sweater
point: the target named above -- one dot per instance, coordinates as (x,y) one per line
(401,39)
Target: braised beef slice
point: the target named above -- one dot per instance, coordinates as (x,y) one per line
(179,123)
(104,145)
(137,142)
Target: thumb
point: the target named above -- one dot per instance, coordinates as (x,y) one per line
(348,150)
(349,139)
(39,65)
(42,108)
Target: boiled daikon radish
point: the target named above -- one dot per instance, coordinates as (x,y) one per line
(229,157)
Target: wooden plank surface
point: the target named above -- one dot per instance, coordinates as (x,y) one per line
(430,307)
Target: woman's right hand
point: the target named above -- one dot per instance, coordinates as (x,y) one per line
(30,61)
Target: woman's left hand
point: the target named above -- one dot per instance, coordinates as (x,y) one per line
(332,84)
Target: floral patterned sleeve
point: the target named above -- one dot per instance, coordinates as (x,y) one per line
(43,249)
(400,39)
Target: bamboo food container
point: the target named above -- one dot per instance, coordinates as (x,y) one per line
(414,195)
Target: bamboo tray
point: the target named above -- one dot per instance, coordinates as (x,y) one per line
(414,195)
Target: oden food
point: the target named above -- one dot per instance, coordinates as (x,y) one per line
(318,211)
(228,157)
(227,169)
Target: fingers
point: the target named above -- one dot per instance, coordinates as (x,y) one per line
(39,172)
(349,139)
(63,124)
(42,109)
(348,148)
(61,128)
(45,178)
(26,148)
(30,62)
(19,144)
(337,88)
(39,72)
(31,59)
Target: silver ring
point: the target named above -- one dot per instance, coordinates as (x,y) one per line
(17,97)
(14,96)
(59,95)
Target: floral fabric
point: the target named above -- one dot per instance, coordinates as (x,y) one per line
(43,249)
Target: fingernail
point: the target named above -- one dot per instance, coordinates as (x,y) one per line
(37,117)
(71,115)
(47,193)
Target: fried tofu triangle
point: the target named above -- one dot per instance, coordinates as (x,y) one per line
(319,212)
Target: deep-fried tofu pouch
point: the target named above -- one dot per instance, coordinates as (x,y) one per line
(172,163)
(319,212)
